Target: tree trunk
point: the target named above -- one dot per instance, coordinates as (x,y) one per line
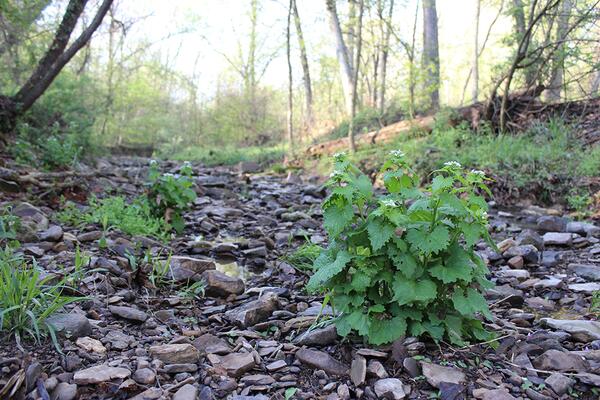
(383,58)
(431,57)
(346,72)
(251,65)
(52,62)
(350,34)
(475,92)
(352,145)
(290,121)
(521,28)
(308,95)
(556,75)
(412,82)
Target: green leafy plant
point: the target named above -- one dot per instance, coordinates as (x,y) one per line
(170,195)
(27,299)
(404,262)
(9,225)
(134,218)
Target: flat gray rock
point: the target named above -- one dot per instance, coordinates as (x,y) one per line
(321,360)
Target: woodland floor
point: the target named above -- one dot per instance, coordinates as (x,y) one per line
(138,342)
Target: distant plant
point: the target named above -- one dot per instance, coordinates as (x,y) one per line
(579,200)
(403,263)
(194,291)
(9,225)
(27,299)
(304,256)
(158,269)
(134,218)
(169,196)
(595,304)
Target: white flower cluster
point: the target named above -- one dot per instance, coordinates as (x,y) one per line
(388,203)
(397,153)
(168,174)
(478,172)
(153,162)
(339,156)
(453,164)
(336,174)
(187,164)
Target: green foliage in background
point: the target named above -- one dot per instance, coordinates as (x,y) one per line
(403,263)
(546,160)
(27,299)
(229,155)
(170,196)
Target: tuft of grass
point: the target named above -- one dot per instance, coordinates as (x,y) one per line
(303,257)
(194,291)
(27,299)
(230,155)
(115,212)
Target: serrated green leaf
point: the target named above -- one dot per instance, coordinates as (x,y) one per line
(359,322)
(337,216)
(470,303)
(409,291)
(360,281)
(379,232)
(404,262)
(346,192)
(363,185)
(429,243)
(326,268)
(440,183)
(387,330)
(457,266)
(471,232)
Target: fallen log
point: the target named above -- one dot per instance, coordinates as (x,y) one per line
(383,135)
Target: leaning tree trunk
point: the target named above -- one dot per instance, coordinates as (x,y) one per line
(431,56)
(53,61)
(344,62)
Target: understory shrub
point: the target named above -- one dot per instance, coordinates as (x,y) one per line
(170,196)
(403,263)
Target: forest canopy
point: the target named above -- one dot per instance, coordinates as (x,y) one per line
(176,75)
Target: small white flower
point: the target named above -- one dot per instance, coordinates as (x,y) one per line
(168,174)
(397,153)
(153,162)
(335,174)
(478,172)
(453,164)
(388,203)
